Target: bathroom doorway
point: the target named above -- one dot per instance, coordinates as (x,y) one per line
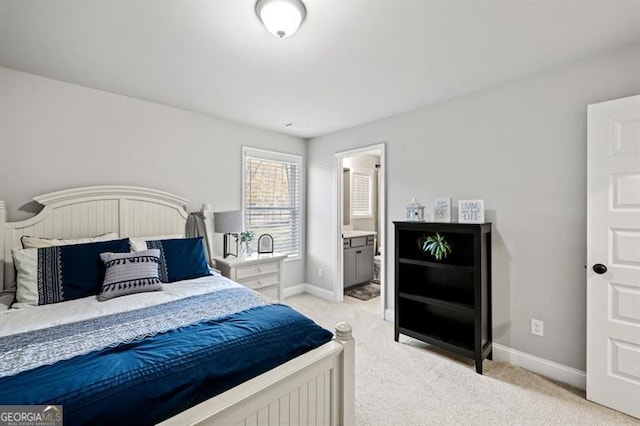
(361,231)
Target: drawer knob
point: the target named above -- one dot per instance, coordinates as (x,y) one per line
(259,282)
(259,269)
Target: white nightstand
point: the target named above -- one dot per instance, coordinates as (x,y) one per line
(260,272)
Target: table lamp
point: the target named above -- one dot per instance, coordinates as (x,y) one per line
(228,223)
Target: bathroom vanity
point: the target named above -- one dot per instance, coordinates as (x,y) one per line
(359,249)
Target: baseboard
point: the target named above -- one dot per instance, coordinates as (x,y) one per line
(389,315)
(320,292)
(544,367)
(311,289)
(296,289)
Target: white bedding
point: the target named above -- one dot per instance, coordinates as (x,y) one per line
(28,317)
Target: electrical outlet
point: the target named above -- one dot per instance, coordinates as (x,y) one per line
(320,273)
(537,327)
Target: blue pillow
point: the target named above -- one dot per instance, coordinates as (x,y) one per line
(180,259)
(55,274)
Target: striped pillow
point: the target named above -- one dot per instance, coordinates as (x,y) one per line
(128,273)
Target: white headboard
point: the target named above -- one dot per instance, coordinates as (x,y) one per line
(84,212)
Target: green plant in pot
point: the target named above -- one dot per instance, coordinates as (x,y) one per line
(435,245)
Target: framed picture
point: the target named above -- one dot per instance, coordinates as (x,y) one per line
(230,245)
(471,211)
(265,244)
(442,210)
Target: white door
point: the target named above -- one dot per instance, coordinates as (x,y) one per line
(613,255)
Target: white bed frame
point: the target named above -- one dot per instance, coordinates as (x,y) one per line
(316,388)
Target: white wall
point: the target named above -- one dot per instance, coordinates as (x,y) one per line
(520,146)
(55,135)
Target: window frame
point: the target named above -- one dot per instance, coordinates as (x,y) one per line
(271,155)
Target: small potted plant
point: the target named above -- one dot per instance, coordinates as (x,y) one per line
(435,245)
(245,238)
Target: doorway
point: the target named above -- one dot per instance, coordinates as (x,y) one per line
(361,224)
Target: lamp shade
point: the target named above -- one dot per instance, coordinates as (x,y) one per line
(225,222)
(281,17)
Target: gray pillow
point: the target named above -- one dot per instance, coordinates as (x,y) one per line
(128,273)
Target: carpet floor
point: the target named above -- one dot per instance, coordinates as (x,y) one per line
(412,383)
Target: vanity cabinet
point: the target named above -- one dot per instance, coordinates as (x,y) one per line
(358,259)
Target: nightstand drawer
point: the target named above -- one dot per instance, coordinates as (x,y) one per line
(252,271)
(259,272)
(260,282)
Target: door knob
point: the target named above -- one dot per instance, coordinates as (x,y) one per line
(599,268)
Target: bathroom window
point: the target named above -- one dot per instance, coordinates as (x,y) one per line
(361,194)
(273,198)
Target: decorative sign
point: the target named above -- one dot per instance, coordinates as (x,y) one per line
(442,210)
(471,211)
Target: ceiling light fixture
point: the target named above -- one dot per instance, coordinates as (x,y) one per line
(281,17)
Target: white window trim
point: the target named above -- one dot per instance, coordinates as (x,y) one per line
(248,151)
(365,172)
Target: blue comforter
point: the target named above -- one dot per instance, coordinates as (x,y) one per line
(153,378)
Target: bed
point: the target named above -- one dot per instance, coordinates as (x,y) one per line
(258,378)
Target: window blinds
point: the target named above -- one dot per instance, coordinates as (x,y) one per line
(272,202)
(361,184)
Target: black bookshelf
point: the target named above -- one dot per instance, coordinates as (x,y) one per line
(447,302)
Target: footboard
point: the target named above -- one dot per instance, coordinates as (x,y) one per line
(316,388)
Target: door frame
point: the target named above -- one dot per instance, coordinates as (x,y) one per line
(376,149)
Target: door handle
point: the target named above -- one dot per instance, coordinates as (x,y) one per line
(599,268)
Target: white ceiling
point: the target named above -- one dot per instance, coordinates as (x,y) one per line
(352,61)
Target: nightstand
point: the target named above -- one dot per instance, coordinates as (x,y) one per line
(259,272)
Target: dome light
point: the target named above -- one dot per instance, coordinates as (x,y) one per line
(281,17)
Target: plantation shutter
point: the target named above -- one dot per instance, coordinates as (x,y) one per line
(361,184)
(272,199)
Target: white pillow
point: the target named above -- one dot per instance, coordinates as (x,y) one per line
(35,242)
(26,264)
(140,243)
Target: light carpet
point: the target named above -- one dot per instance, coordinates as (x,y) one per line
(412,383)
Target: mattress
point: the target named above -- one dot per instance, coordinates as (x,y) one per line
(175,349)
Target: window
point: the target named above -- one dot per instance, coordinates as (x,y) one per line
(361,194)
(272,198)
